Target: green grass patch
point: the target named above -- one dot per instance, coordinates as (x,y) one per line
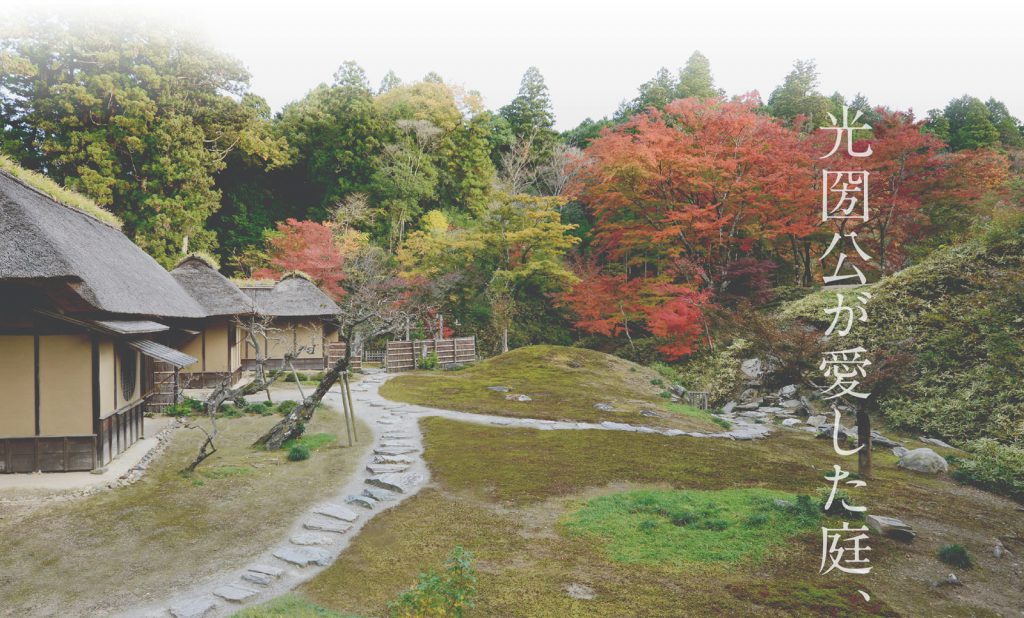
(311,441)
(678,527)
(563,384)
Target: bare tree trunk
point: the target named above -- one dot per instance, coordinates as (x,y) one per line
(504,340)
(293,425)
(864,440)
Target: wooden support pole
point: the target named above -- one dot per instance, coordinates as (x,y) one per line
(345,410)
(348,395)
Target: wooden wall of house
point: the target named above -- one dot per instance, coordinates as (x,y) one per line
(287,335)
(65,385)
(214,348)
(17,383)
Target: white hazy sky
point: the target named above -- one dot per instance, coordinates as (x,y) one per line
(594,54)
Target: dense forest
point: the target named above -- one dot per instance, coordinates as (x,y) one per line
(649,232)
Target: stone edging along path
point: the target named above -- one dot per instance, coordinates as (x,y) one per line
(392,471)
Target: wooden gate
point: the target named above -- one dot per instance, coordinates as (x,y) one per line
(406,355)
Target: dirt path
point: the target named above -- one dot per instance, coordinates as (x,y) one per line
(392,471)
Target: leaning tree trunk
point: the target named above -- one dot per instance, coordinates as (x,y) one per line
(293,425)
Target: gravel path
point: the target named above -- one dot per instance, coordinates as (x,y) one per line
(392,471)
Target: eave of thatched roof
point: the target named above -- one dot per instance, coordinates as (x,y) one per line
(292,296)
(43,240)
(212,290)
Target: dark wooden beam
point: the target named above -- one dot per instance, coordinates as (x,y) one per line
(35,343)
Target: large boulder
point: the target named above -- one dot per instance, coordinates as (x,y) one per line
(891,527)
(923,460)
(751,368)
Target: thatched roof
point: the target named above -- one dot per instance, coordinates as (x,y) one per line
(42,240)
(215,292)
(293,296)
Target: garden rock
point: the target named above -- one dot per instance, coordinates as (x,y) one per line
(891,527)
(751,368)
(900,451)
(337,511)
(792,404)
(398,483)
(194,608)
(518,397)
(233,593)
(936,442)
(729,407)
(787,391)
(923,460)
(311,538)
(748,395)
(790,422)
(304,557)
(604,407)
(818,420)
(949,580)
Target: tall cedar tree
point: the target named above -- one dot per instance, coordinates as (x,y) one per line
(138,119)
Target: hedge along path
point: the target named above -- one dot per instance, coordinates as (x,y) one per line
(392,471)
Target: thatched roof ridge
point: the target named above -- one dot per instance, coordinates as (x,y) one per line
(212,290)
(295,295)
(42,239)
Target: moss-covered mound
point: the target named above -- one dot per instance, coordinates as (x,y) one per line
(561,383)
(947,336)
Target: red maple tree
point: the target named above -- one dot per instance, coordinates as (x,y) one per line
(309,247)
(683,200)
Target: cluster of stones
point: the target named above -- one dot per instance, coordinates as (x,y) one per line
(387,478)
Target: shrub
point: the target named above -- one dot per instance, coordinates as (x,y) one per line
(261,407)
(299,452)
(668,372)
(229,411)
(836,508)
(992,466)
(188,407)
(956,555)
(285,407)
(429,361)
(449,593)
(716,373)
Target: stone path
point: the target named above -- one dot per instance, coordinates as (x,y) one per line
(392,471)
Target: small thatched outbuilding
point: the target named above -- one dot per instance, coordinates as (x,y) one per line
(84,317)
(215,340)
(303,320)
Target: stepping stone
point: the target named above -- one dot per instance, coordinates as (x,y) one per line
(386,468)
(617,426)
(380,495)
(311,538)
(337,511)
(261,579)
(393,451)
(503,421)
(304,556)
(386,421)
(363,501)
(675,432)
(642,429)
(396,435)
(327,525)
(266,569)
(396,445)
(194,608)
(391,459)
(234,593)
(399,482)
